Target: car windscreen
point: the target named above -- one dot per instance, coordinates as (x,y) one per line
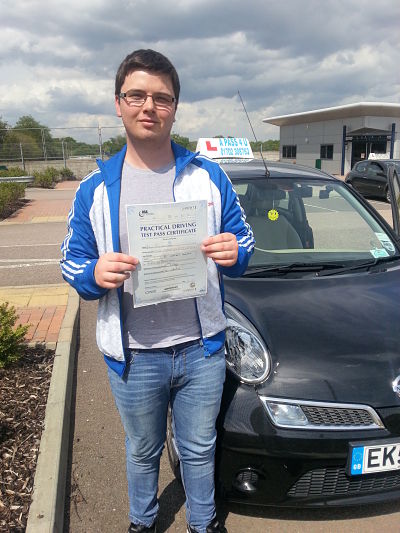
(310,222)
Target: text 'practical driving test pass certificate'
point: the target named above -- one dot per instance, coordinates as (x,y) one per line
(166,238)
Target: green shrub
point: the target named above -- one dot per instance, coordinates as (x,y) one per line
(10,193)
(67,174)
(11,339)
(54,173)
(43,179)
(12,171)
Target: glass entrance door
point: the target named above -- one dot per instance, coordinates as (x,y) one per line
(361,148)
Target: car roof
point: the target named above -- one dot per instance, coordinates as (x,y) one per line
(256,169)
(379,161)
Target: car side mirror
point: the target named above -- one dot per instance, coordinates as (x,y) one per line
(305,191)
(324,194)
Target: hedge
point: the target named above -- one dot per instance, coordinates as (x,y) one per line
(10,193)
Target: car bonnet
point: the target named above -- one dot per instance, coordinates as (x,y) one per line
(331,339)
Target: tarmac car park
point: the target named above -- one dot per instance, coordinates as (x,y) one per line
(310,414)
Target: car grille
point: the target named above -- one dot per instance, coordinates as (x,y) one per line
(328,415)
(335,482)
(333,416)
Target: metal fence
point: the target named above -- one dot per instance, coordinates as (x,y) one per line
(37,144)
(31,148)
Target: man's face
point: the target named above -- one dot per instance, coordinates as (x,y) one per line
(147,122)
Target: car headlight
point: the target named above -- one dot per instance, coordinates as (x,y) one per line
(246,354)
(285,414)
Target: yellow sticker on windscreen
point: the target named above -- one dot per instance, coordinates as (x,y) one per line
(273,214)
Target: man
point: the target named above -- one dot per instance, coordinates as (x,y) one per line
(173,352)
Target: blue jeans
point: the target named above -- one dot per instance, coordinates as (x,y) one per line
(192,384)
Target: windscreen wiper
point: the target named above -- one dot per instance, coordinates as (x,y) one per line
(367,265)
(256,272)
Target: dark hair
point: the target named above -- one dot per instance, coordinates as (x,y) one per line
(151,61)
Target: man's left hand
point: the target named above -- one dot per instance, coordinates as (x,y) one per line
(222,248)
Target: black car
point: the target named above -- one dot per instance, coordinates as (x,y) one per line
(310,414)
(369,177)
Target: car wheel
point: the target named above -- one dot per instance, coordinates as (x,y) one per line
(387,195)
(173,456)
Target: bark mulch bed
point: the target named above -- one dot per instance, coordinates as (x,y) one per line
(23,394)
(11,208)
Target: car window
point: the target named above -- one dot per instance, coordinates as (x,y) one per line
(396,192)
(241,188)
(374,169)
(311,221)
(361,167)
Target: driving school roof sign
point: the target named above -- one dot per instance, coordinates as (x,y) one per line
(225,148)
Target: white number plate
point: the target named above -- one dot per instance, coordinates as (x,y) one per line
(374,457)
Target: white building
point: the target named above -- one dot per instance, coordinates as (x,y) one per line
(334,139)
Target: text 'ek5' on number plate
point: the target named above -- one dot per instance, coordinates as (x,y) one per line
(378,456)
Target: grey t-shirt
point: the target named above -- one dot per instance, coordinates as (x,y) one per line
(164,324)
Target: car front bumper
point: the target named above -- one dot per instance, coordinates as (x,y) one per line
(261,464)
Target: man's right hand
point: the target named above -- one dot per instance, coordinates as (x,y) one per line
(112,269)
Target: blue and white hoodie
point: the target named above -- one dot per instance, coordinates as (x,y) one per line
(93,230)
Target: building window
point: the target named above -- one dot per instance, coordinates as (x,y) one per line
(289,151)
(326,151)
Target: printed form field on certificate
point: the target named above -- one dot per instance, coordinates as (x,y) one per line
(166,238)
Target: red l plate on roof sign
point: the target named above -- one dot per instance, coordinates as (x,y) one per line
(211,148)
(222,148)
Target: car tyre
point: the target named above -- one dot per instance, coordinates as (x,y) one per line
(175,463)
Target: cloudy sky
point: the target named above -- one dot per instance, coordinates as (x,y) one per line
(58,59)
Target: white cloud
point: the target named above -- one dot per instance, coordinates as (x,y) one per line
(59,64)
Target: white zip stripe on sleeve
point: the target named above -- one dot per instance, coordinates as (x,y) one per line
(247,247)
(245,238)
(66,274)
(71,214)
(246,242)
(72,270)
(65,244)
(73,264)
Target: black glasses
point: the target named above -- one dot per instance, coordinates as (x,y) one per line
(138,98)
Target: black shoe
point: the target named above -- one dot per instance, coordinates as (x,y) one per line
(213,527)
(139,528)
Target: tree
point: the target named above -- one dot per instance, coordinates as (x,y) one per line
(267,146)
(114,144)
(3,127)
(271,144)
(33,129)
(10,148)
(183,141)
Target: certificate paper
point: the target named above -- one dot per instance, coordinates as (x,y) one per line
(166,239)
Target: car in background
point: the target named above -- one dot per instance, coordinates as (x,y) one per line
(310,413)
(369,177)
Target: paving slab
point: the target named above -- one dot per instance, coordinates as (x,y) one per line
(42,307)
(44,205)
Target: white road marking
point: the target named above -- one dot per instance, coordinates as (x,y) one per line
(35,260)
(29,263)
(324,208)
(31,245)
